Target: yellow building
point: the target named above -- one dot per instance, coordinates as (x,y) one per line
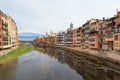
(52,37)
(82,37)
(75,37)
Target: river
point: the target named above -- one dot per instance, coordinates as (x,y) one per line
(55,64)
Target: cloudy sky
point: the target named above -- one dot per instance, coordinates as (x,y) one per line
(42,16)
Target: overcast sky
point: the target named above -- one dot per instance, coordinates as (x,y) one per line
(45,15)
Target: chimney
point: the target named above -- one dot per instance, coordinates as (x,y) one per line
(103,18)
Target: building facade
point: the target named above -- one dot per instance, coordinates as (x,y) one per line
(103,34)
(8,31)
(52,38)
(109,32)
(69,36)
(117,32)
(94,36)
(61,38)
(75,37)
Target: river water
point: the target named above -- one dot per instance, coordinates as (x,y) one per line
(55,64)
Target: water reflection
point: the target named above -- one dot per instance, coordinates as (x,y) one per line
(56,64)
(38,66)
(89,67)
(8,69)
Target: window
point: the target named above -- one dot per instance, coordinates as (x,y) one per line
(5,43)
(87,28)
(101,25)
(119,29)
(109,35)
(86,39)
(86,33)
(78,40)
(116,30)
(101,32)
(101,39)
(92,44)
(92,39)
(116,37)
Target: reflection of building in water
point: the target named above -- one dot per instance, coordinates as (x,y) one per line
(91,68)
(88,67)
(51,52)
(8,68)
(61,55)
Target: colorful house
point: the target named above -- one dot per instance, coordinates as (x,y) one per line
(69,36)
(13,31)
(61,38)
(75,37)
(8,31)
(82,37)
(109,33)
(117,32)
(52,38)
(103,45)
(46,39)
(4,31)
(94,34)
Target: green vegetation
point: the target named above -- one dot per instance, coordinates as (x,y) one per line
(38,49)
(22,49)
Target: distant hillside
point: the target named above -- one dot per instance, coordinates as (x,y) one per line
(28,35)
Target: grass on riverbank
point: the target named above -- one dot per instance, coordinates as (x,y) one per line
(38,49)
(22,49)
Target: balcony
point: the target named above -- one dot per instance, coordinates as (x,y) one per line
(109,37)
(117,30)
(111,23)
(4,23)
(93,31)
(107,31)
(5,38)
(5,28)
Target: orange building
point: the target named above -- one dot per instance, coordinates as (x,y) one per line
(109,32)
(94,34)
(117,32)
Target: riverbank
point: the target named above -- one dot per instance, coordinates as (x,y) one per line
(6,51)
(112,56)
(20,50)
(38,49)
